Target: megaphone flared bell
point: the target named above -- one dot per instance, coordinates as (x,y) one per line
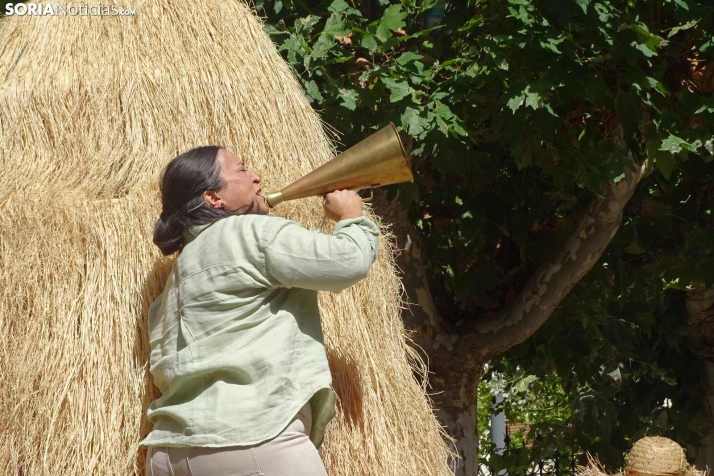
(378,160)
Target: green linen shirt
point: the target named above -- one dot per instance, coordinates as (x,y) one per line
(235,337)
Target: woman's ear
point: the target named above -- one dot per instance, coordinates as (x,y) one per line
(212,199)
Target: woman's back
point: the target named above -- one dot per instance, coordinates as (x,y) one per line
(235,337)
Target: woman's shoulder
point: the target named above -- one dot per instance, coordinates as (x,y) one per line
(256,225)
(242,234)
(255,220)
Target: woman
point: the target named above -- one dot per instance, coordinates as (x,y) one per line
(236,343)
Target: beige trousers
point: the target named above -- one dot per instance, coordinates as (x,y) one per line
(291,453)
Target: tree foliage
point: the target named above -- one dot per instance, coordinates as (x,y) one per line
(522,111)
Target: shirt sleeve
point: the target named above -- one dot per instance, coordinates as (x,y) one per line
(299,258)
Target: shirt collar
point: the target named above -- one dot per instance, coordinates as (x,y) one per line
(192,232)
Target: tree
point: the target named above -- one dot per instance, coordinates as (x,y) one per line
(564,184)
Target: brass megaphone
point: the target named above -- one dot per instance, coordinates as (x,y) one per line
(378,160)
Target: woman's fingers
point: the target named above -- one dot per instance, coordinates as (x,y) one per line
(342,204)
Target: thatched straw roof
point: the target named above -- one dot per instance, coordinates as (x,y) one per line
(91,108)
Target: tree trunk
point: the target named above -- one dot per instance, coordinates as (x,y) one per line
(456,356)
(454,378)
(700,320)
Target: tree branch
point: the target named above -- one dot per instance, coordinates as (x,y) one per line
(556,276)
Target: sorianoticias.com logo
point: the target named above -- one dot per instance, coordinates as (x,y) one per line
(56,9)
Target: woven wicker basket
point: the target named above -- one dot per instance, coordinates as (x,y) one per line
(656,455)
(649,456)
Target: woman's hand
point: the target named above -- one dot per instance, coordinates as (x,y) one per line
(342,205)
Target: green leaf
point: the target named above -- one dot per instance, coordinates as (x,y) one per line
(665,163)
(447,120)
(709,146)
(408,57)
(338,6)
(627,108)
(664,160)
(313,91)
(674,144)
(398,89)
(682,4)
(443,110)
(522,385)
(306,24)
(456,127)
(593,87)
(349,98)
(635,76)
(412,121)
(335,26)
(531,96)
(707,104)
(657,85)
(369,42)
(392,20)
(522,154)
(454,122)
(634,249)
(522,14)
(516,101)
(319,50)
(533,99)
(679,28)
(645,49)
(552,44)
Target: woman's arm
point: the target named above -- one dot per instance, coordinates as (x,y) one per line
(296,257)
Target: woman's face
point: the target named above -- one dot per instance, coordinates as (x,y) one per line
(241,187)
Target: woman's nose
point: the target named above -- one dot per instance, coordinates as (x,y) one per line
(256,178)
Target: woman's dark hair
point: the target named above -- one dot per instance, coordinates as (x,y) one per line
(182,184)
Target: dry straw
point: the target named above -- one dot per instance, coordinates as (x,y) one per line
(91,109)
